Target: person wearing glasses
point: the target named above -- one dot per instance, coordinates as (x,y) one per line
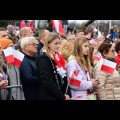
(109,84)
(28,68)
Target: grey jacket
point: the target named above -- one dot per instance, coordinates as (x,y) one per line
(15,93)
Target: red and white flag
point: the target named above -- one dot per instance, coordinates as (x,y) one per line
(108,66)
(18,58)
(75,79)
(9,55)
(58,26)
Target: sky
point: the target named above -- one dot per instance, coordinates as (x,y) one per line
(78,21)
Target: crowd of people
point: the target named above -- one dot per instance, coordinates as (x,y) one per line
(59,66)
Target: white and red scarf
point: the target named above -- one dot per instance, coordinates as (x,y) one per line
(60,64)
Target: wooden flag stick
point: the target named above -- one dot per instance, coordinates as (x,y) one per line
(8,69)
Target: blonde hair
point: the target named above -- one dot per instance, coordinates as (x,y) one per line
(83,61)
(49,39)
(66,49)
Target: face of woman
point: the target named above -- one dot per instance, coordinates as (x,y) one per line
(54,45)
(111,53)
(85,48)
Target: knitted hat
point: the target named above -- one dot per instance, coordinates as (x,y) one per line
(5,42)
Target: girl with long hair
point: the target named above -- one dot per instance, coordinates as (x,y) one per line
(78,71)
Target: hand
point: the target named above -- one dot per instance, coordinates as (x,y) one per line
(67,97)
(3,84)
(95,82)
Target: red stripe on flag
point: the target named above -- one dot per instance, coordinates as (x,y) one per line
(17,62)
(107,69)
(9,59)
(75,82)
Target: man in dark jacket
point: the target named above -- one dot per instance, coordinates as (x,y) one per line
(28,68)
(42,35)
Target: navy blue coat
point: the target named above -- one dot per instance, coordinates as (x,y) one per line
(29,77)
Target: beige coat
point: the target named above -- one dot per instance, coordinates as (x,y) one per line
(109,84)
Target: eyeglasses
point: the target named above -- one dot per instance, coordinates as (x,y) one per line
(112,50)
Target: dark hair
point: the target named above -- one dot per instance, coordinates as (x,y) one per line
(87,31)
(117,47)
(79,30)
(104,47)
(108,40)
(91,50)
(2,29)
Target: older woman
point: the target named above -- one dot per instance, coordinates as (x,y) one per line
(109,84)
(28,69)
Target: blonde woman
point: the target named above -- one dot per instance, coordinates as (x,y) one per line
(78,71)
(51,68)
(66,49)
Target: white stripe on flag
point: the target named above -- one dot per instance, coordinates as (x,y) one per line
(8,51)
(56,23)
(18,55)
(109,63)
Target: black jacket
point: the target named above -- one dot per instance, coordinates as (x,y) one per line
(50,87)
(40,46)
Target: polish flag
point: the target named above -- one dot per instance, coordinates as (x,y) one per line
(9,55)
(75,79)
(18,58)
(58,26)
(98,56)
(108,66)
